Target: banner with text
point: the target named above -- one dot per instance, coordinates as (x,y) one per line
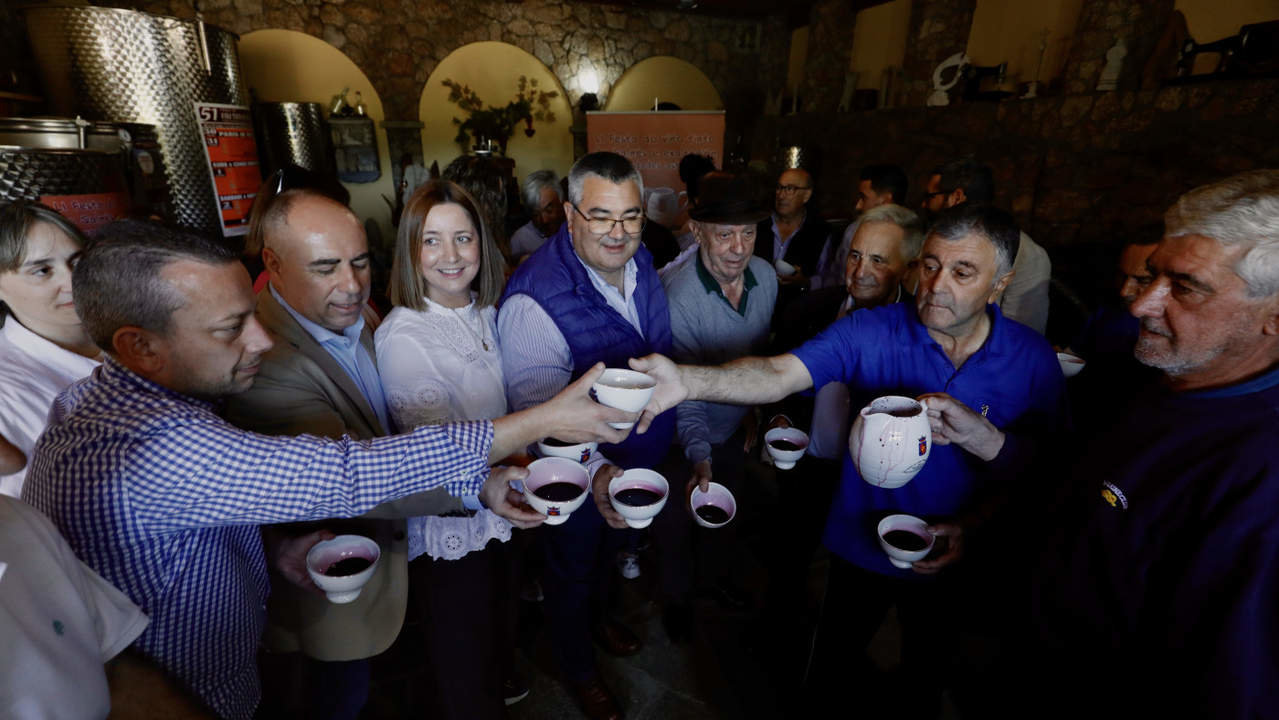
(655,141)
(233,162)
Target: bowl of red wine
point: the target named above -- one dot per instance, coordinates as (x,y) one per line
(638,495)
(341,566)
(554,447)
(713,508)
(786,446)
(555,487)
(905,539)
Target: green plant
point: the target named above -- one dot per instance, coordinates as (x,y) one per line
(497,123)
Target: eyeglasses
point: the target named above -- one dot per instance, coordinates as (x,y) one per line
(930,195)
(604,226)
(790,189)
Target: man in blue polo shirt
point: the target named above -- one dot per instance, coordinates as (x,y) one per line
(992,386)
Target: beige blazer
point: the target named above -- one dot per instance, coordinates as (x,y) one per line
(301,389)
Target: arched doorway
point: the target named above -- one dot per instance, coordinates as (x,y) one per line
(493,70)
(668,79)
(290,66)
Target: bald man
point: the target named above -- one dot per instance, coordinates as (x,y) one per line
(321,379)
(792,234)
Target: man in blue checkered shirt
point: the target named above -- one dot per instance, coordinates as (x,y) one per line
(163,498)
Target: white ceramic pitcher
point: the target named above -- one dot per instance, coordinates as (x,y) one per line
(890,440)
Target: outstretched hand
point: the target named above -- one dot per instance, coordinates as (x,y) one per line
(507,502)
(952,421)
(670,390)
(576,417)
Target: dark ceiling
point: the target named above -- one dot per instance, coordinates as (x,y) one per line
(795,11)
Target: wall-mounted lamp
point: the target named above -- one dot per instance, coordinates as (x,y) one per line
(588,81)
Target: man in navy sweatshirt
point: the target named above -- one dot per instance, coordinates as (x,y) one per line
(1159,596)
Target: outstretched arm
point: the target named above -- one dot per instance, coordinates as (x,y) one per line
(571,416)
(745,381)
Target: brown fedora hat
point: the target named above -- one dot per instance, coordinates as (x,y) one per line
(726,199)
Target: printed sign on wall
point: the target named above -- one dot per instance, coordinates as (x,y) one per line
(655,141)
(233,161)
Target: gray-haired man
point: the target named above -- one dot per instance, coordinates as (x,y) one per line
(541,196)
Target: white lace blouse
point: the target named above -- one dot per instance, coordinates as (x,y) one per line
(437,366)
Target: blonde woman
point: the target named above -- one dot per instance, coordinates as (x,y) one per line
(438,357)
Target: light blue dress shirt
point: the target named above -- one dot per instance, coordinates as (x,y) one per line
(345,348)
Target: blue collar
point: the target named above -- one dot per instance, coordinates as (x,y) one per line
(324,336)
(995,344)
(1265,381)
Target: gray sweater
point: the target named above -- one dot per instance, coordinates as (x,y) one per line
(707,330)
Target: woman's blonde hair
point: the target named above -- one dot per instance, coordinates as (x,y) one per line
(408,289)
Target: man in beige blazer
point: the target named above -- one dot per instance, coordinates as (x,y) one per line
(321,379)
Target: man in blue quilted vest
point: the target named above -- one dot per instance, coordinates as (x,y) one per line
(589,294)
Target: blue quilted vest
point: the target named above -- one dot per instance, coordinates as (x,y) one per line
(557,280)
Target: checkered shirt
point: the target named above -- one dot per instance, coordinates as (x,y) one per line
(163,498)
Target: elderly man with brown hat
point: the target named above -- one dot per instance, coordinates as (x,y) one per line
(721,304)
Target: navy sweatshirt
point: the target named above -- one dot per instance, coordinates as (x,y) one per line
(1160,594)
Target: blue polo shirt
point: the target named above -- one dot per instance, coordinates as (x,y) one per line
(1013,379)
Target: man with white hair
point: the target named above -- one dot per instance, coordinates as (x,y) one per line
(1158,597)
(541,196)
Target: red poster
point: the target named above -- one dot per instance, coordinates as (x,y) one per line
(233,161)
(655,141)
(90,212)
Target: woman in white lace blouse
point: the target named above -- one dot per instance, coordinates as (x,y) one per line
(438,357)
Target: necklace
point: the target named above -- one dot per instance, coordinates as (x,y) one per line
(479,336)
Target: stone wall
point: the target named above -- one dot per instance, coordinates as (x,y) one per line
(1101,23)
(398,43)
(1080,172)
(937,30)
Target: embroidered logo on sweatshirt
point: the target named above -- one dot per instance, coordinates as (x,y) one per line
(1113,495)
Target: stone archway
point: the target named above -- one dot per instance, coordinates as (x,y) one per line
(292,66)
(667,78)
(492,70)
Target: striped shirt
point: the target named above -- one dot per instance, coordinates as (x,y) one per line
(163,498)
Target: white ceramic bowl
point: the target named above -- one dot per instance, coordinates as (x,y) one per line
(716,495)
(638,516)
(1070,364)
(904,559)
(784,269)
(342,588)
(625,390)
(556,469)
(786,459)
(581,452)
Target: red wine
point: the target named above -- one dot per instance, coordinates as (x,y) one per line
(637,497)
(559,491)
(905,540)
(552,442)
(347,566)
(712,514)
(786,445)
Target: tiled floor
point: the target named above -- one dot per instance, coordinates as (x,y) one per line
(726,671)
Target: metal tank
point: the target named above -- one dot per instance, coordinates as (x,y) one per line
(128,66)
(293,133)
(91,172)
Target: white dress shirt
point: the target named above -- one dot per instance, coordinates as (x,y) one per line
(32,373)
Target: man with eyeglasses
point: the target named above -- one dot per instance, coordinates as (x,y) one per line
(590,294)
(793,235)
